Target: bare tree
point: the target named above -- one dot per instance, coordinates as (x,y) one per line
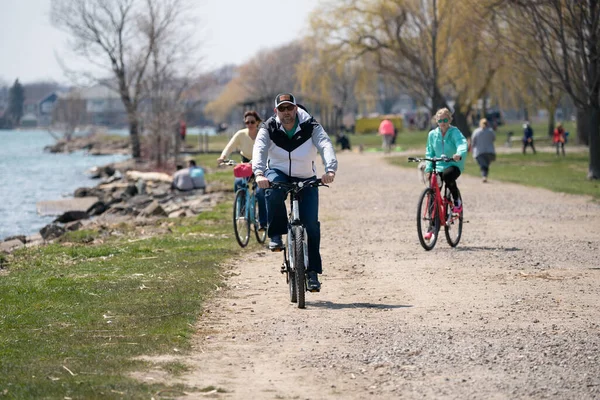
(402,35)
(258,81)
(120,37)
(568,34)
(271,72)
(424,47)
(327,83)
(67,115)
(170,76)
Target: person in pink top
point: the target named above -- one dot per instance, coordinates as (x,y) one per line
(386,130)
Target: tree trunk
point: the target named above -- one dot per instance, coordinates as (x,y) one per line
(134,136)
(551,121)
(583,137)
(592,117)
(438,101)
(484,107)
(157,150)
(461,121)
(178,143)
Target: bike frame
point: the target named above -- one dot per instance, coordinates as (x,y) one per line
(250,199)
(294,220)
(440,203)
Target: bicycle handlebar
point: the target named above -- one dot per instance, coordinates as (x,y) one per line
(228,162)
(434,159)
(297,186)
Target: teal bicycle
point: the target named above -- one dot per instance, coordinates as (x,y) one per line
(245,206)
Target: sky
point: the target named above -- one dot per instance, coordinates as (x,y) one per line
(231,32)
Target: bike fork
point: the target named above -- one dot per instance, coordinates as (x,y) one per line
(305,247)
(285,265)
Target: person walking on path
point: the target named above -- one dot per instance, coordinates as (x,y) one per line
(528,137)
(482,145)
(285,151)
(558,138)
(386,130)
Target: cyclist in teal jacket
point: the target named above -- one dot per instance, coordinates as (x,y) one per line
(447,140)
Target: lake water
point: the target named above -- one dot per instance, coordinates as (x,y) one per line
(28,175)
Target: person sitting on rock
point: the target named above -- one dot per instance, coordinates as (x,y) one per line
(182,179)
(197,175)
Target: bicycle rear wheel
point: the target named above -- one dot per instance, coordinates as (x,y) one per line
(299,267)
(428,219)
(261,236)
(241,225)
(454,223)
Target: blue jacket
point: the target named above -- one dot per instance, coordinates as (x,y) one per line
(452,143)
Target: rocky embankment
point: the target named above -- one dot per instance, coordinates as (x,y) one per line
(126,193)
(94,144)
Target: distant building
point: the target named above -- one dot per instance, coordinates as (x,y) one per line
(45,108)
(104,106)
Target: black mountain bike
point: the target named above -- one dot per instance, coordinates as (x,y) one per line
(295,252)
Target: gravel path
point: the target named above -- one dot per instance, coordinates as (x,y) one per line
(512,312)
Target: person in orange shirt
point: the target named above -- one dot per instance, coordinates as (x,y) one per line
(386,130)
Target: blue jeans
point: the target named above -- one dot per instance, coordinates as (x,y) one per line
(309,215)
(239,183)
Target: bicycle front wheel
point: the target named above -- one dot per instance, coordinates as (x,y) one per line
(241,225)
(299,267)
(454,223)
(289,270)
(428,220)
(261,236)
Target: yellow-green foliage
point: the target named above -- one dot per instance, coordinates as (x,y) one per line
(371,124)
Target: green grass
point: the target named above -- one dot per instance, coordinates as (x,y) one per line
(544,170)
(75,316)
(216,143)
(415,140)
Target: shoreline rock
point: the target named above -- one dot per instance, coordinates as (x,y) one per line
(94,144)
(128,191)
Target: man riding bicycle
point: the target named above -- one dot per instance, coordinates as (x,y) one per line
(447,140)
(284,151)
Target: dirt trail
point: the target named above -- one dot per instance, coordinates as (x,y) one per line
(511,313)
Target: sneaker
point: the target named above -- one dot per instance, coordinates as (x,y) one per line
(428,235)
(313,284)
(484,179)
(457,209)
(276,244)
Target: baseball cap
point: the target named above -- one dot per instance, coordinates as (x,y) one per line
(285,98)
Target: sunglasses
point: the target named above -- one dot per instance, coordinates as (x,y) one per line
(445,120)
(289,107)
(249,122)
